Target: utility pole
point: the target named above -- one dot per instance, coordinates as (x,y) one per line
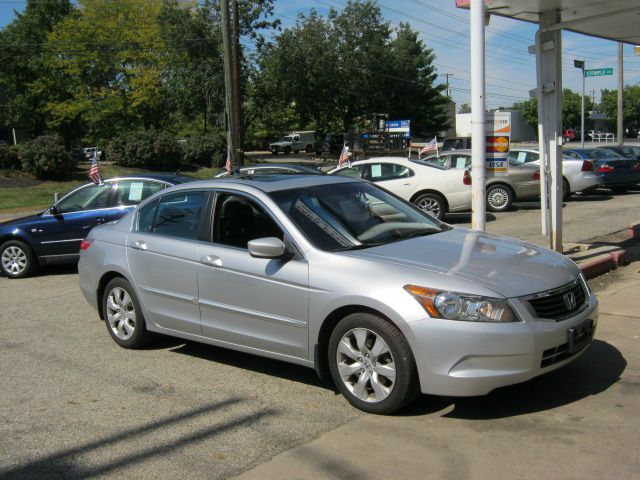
(620,129)
(447,75)
(232,94)
(580,64)
(478,117)
(238,130)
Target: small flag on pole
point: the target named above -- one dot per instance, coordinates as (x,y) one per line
(230,165)
(344,157)
(432,146)
(94,172)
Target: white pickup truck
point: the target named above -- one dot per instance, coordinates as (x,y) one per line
(294,142)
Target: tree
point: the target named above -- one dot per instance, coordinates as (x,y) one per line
(325,72)
(464,108)
(572,108)
(413,92)
(631,106)
(22,56)
(108,62)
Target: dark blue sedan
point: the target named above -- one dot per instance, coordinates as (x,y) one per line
(618,173)
(54,236)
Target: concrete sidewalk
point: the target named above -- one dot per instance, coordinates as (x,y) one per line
(578,422)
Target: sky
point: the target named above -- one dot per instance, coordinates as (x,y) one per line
(510,69)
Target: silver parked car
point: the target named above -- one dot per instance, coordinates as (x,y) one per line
(578,175)
(339,275)
(521,183)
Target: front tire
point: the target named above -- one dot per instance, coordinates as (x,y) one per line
(431,203)
(371,364)
(122,314)
(17,259)
(499,198)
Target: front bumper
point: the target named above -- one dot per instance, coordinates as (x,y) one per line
(456,358)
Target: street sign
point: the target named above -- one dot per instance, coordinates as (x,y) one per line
(598,72)
(399,126)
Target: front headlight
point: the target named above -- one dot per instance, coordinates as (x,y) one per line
(460,306)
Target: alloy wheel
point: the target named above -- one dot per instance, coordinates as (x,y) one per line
(430,205)
(14,260)
(498,198)
(366,365)
(121,313)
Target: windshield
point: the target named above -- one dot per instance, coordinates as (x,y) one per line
(348,216)
(602,153)
(287,138)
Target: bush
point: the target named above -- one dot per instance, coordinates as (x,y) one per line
(46,157)
(9,157)
(156,150)
(203,150)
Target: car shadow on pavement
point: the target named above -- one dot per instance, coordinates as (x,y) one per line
(68,463)
(599,368)
(246,361)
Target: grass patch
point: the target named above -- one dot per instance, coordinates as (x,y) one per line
(19,191)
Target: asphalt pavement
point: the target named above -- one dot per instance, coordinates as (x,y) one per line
(75,405)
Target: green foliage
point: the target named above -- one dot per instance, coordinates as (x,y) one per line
(46,157)
(156,150)
(9,157)
(325,72)
(204,150)
(22,57)
(631,106)
(529,110)
(572,108)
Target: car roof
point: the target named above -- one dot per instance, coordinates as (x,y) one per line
(172,178)
(270,183)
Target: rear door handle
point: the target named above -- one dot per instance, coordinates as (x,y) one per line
(139,245)
(211,261)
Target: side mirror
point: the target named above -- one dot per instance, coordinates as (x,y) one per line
(268,247)
(53,210)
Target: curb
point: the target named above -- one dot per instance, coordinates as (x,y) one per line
(595,260)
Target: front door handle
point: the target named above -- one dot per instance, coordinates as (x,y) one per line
(211,261)
(139,245)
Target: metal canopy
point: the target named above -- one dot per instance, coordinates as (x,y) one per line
(613,20)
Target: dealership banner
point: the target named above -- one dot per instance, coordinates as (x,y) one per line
(498,135)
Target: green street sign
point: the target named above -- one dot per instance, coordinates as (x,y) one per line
(598,72)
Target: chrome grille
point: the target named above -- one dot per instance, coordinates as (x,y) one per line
(560,303)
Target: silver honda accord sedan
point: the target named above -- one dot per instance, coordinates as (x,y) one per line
(338,275)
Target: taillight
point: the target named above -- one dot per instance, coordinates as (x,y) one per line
(85,244)
(466,177)
(636,167)
(536,175)
(587,166)
(606,168)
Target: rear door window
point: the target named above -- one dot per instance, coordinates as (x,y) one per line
(132,192)
(177,215)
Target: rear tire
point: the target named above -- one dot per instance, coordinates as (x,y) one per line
(309,149)
(431,203)
(620,189)
(371,364)
(499,198)
(17,259)
(123,315)
(566,190)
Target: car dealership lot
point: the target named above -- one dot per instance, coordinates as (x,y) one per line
(75,405)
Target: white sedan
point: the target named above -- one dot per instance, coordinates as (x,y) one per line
(432,188)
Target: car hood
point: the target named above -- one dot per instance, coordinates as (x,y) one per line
(20,222)
(509,267)
(281,142)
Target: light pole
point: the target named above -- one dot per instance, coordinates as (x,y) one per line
(580,64)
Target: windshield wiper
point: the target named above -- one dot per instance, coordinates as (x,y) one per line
(419,233)
(359,247)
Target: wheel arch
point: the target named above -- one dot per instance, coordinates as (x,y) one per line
(21,237)
(102,284)
(320,360)
(434,192)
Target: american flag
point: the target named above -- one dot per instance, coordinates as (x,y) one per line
(344,157)
(94,172)
(432,146)
(229,166)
